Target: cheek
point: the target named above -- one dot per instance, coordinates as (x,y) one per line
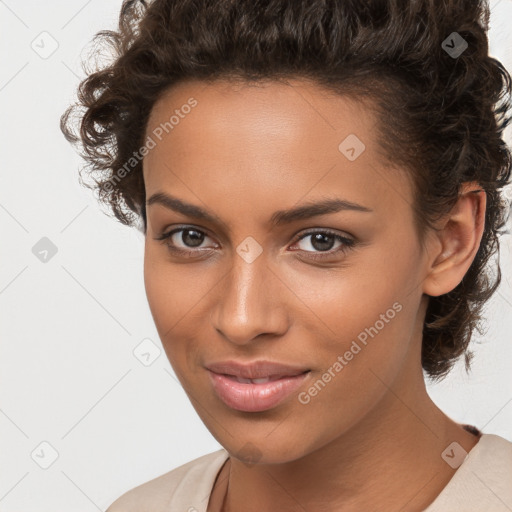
(353,333)
(361,323)
(355,370)
(354,302)
(173,291)
(175,296)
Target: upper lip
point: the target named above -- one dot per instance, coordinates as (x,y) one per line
(255,370)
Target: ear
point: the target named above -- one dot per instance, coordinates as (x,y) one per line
(454,245)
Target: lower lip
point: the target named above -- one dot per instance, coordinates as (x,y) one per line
(254,397)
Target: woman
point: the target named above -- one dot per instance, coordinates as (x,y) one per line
(319,185)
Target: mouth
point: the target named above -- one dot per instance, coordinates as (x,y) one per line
(261,380)
(256,370)
(259,393)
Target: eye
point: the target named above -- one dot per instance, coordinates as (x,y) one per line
(185,241)
(188,237)
(323,241)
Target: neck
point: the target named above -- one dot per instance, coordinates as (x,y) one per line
(392,457)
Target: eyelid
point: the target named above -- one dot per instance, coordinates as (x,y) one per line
(309,231)
(297,236)
(348,241)
(165,235)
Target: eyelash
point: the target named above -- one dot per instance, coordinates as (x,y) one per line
(347,243)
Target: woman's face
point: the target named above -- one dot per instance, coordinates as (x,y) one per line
(337,292)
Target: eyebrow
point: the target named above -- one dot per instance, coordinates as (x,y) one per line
(304,211)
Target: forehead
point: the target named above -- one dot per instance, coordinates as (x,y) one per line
(275,142)
(259,111)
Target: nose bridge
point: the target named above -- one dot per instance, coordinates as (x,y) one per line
(247,302)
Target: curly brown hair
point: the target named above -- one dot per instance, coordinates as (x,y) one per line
(441,113)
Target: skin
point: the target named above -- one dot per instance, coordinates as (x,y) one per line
(372,438)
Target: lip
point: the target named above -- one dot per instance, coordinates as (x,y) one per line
(256,369)
(255,397)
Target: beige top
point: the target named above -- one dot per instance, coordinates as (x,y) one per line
(482,483)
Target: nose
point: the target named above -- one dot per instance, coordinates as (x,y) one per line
(250,302)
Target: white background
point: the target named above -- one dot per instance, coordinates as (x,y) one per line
(69,326)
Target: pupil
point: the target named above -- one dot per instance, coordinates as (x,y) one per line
(320,240)
(196,238)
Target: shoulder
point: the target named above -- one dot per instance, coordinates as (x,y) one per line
(495,447)
(186,487)
(491,460)
(482,482)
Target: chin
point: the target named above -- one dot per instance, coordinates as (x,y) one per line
(257,451)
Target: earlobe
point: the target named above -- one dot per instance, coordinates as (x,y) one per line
(457,241)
